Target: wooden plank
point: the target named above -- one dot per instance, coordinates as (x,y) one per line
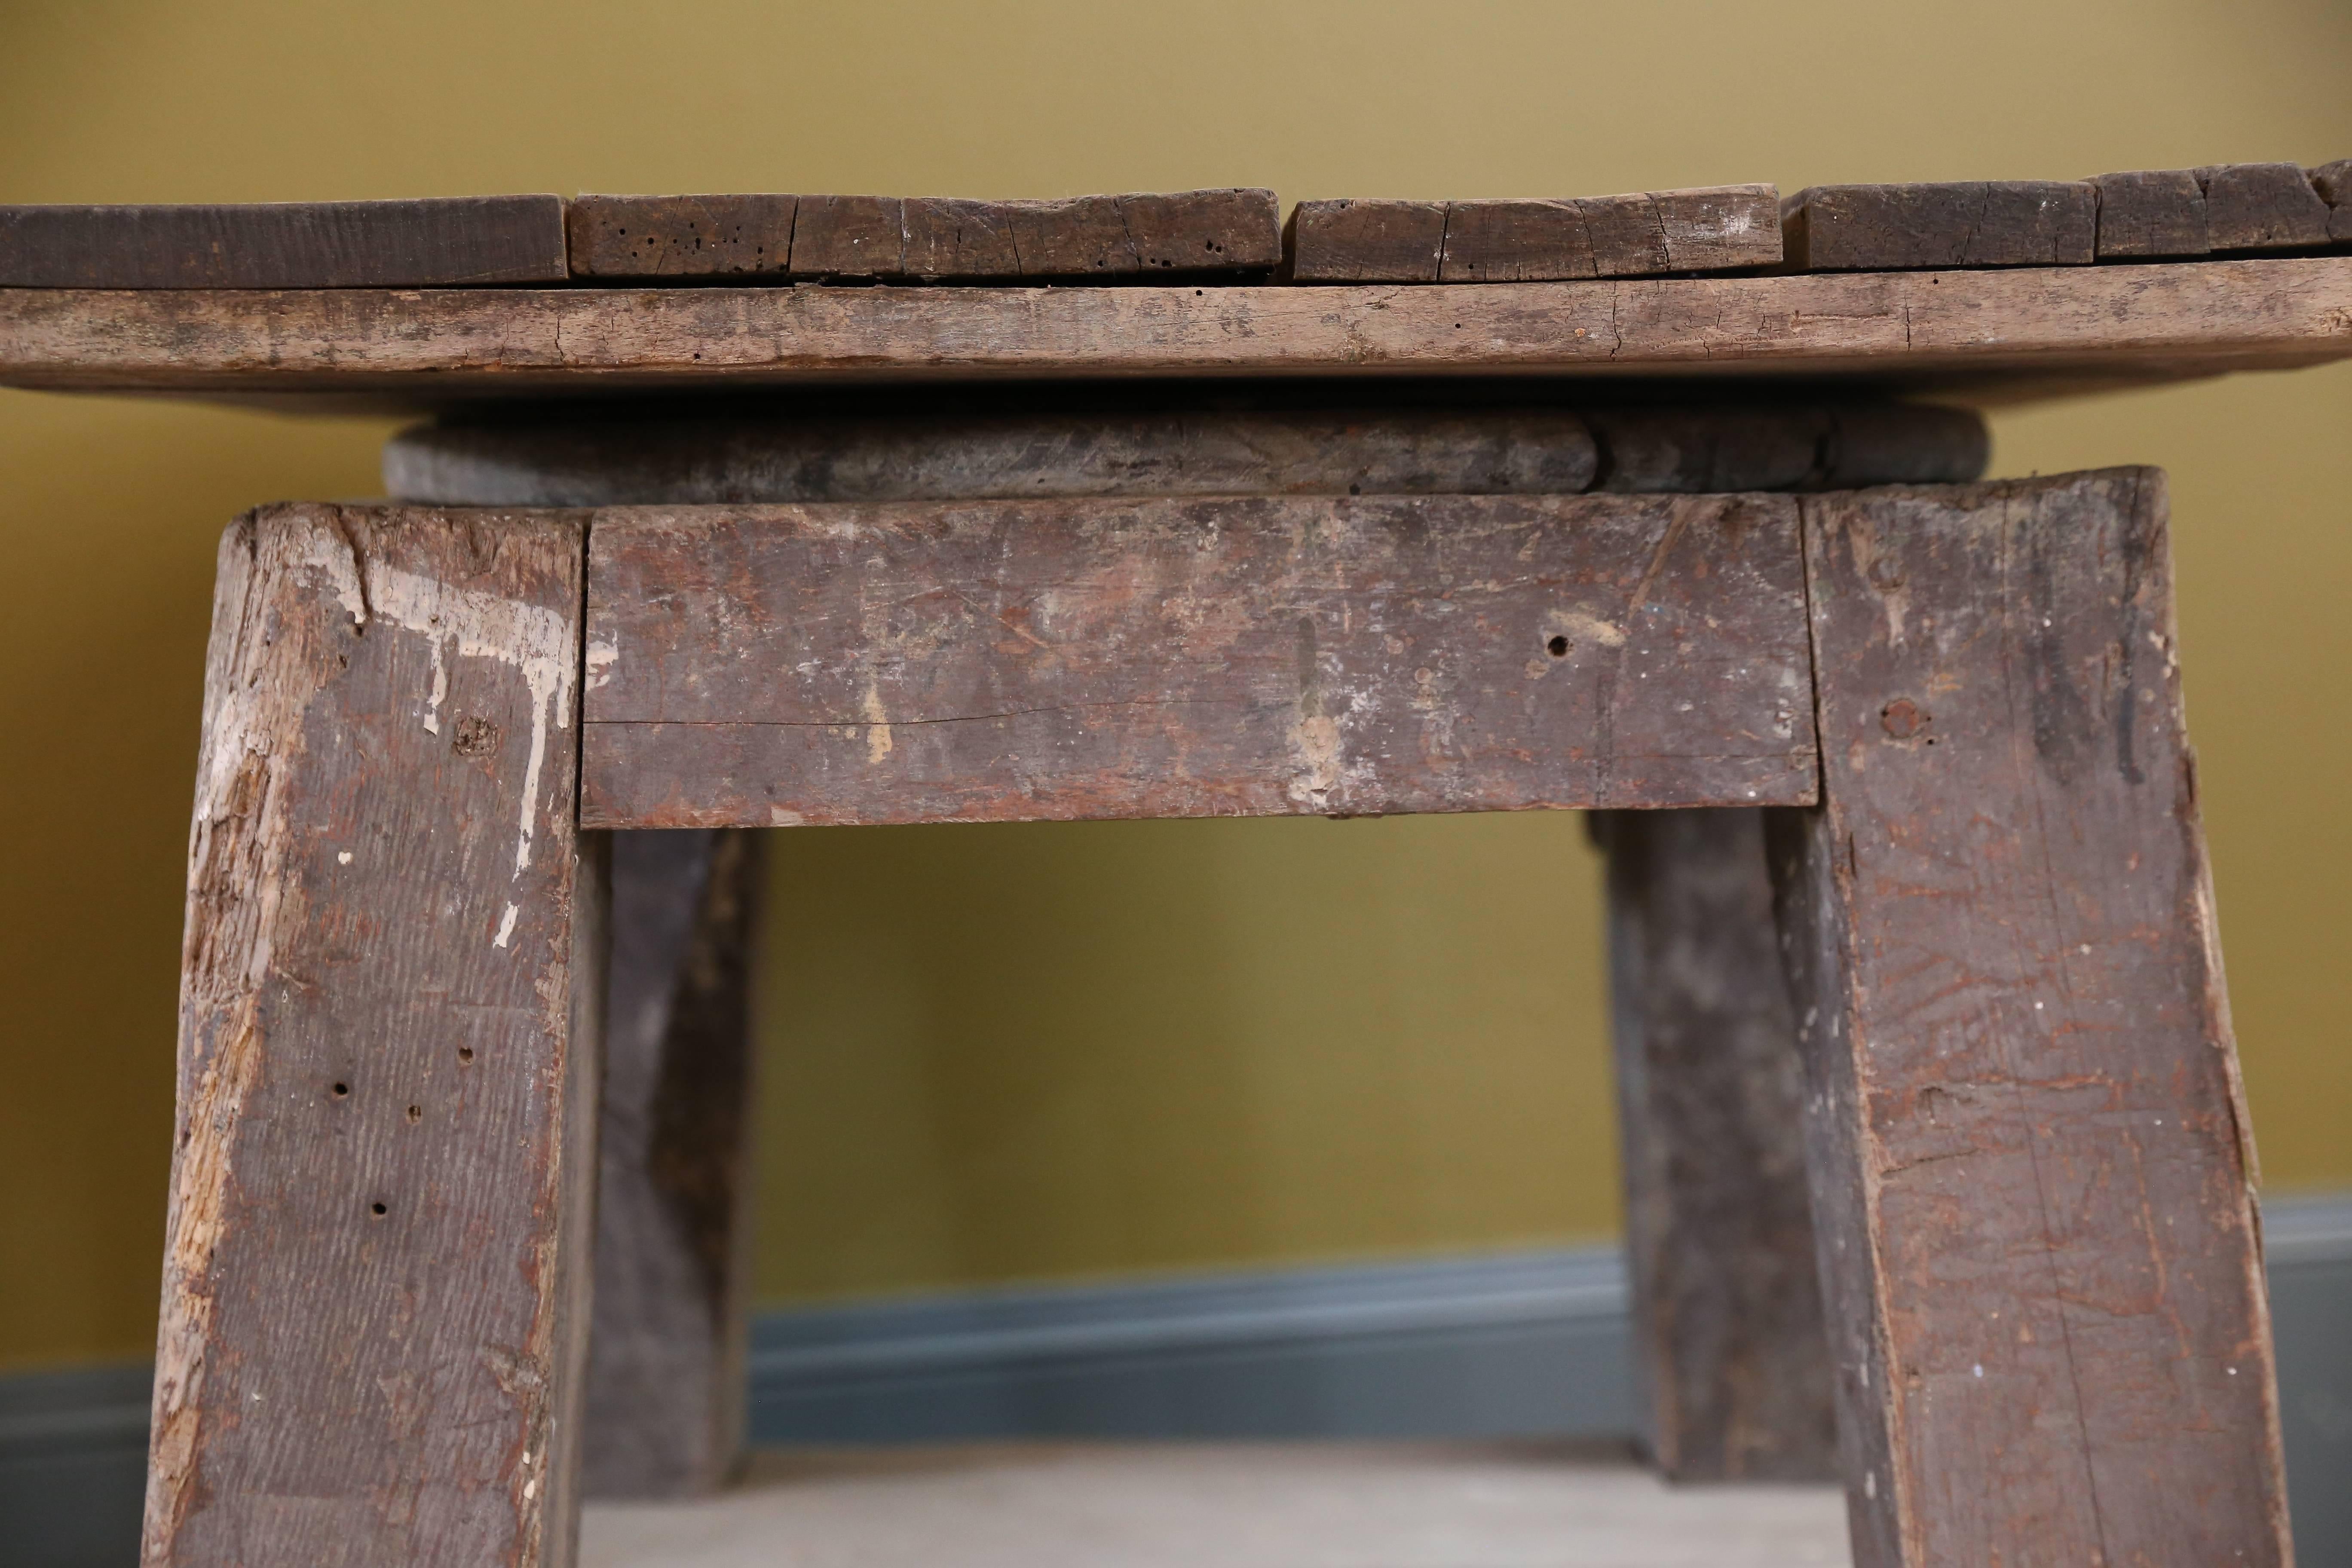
(2029,1159)
(2334,184)
(453,241)
(2151,212)
(1980,223)
(995,660)
(849,237)
(667,1380)
(1727,1327)
(2262,207)
(1645,235)
(374,1284)
(680,236)
(701,457)
(1365,241)
(927,238)
(1994,335)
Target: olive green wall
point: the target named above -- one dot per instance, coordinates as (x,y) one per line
(1056,1050)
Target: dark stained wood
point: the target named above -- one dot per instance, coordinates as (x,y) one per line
(374,1310)
(2334,184)
(1175,233)
(2150,213)
(680,236)
(1991,336)
(993,660)
(848,237)
(2029,1152)
(1371,241)
(1999,223)
(703,457)
(1729,1336)
(667,1381)
(2262,207)
(947,238)
(1515,242)
(448,241)
(1685,447)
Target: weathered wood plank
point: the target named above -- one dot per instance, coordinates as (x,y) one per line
(449,241)
(992,660)
(680,236)
(927,238)
(1645,235)
(1686,448)
(667,1380)
(2151,212)
(2029,1153)
(1728,1335)
(2334,184)
(1368,241)
(710,457)
(374,1294)
(1993,334)
(2262,207)
(1995,223)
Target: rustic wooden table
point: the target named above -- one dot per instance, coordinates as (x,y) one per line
(1935,1151)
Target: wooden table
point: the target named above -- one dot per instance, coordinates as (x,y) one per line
(1909,903)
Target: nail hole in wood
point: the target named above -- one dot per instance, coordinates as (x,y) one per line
(377,1210)
(464,1053)
(1557,647)
(341,1090)
(416,1114)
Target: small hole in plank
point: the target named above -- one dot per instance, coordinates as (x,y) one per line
(377,1210)
(464,1053)
(1557,647)
(341,1090)
(416,1114)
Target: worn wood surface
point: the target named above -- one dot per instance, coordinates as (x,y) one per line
(2029,1152)
(927,238)
(2262,207)
(710,457)
(1687,446)
(993,660)
(374,1288)
(448,241)
(667,1380)
(1728,1338)
(2334,184)
(1991,336)
(680,236)
(1645,235)
(1977,223)
(2151,213)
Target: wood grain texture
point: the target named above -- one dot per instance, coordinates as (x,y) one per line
(2151,213)
(666,1379)
(704,458)
(2029,1152)
(374,1292)
(996,660)
(2262,207)
(680,236)
(2334,184)
(454,241)
(1996,335)
(927,238)
(1689,448)
(1728,1337)
(1644,235)
(1995,223)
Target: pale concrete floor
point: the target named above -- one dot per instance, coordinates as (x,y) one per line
(1227,1505)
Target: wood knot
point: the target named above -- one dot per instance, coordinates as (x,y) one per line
(475,737)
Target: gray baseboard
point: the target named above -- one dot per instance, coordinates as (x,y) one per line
(1521,1343)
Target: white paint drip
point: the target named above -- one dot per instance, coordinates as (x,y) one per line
(506,925)
(344,858)
(536,641)
(602,657)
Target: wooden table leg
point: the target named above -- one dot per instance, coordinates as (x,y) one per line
(666,1361)
(1726,1305)
(373,1316)
(2030,1158)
